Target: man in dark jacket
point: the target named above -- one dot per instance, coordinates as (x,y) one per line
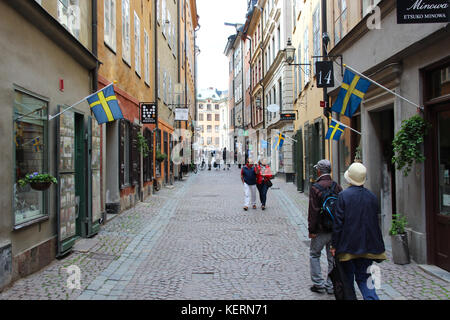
(320,237)
(357,240)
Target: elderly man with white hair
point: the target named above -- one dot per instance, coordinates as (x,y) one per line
(248,177)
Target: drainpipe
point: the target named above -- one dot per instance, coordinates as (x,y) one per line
(94,45)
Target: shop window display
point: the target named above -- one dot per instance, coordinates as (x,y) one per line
(68,201)
(30,153)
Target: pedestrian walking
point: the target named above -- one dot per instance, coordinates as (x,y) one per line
(263,183)
(248,177)
(357,240)
(224,156)
(319,232)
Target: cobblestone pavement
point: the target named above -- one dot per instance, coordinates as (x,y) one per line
(194,241)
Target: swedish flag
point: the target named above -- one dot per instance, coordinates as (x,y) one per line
(105,106)
(352,91)
(334,131)
(280,142)
(37,144)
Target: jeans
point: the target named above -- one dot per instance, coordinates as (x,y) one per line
(250,192)
(356,270)
(317,244)
(262,189)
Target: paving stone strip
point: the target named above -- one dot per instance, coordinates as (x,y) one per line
(110,283)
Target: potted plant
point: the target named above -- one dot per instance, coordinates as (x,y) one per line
(160,157)
(408,143)
(399,240)
(38,181)
(143,145)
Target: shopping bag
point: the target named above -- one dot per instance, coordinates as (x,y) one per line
(342,291)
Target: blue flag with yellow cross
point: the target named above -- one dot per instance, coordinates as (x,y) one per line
(352,91)
(104,105)
(335,131)
(280,141)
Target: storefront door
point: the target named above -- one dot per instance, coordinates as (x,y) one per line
(440,198)
(72,172)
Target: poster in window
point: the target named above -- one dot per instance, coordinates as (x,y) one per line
(68,206)
(67,142)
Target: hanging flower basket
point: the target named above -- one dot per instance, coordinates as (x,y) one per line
(40,186)
(38,181)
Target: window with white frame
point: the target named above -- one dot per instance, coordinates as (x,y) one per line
(110,24)
(137,43)
(164,16)
(69,16)
(340,23)
(306,55)
(316,35)
(158,74)
(165,87)
(126,51)
(368,4)
(146,58)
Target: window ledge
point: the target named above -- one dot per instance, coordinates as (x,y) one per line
(110,47)
(29,223)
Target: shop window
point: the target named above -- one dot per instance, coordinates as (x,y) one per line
(30,155)
(440,82)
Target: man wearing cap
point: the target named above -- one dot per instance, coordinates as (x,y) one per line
(357,240)
(320,237)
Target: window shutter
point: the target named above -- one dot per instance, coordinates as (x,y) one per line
(321,140)
(145,163)
(122,128)
(134,160)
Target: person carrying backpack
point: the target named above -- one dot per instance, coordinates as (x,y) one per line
(322,198)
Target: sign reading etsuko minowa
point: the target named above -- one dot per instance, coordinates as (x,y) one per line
(423,11)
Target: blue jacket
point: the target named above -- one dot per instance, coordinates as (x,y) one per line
(355,228)
(249,175)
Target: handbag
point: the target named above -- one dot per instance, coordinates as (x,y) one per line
(342,291)
(269,183)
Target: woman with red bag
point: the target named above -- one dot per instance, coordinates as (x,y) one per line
(263,183)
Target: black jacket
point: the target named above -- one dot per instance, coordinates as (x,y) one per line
(314,226)
(356,229)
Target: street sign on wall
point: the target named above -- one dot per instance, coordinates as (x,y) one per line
(325,74)
(423,11)
(149,113)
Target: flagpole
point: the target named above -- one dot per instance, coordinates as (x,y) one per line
(50,117)
(383,87)
(286,136)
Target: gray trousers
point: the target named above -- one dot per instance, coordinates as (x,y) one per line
(317,244)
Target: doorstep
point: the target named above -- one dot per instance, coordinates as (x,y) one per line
(435,271)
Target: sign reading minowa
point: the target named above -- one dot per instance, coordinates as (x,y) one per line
(423,11)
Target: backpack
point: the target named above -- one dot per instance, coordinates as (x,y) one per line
(328,204)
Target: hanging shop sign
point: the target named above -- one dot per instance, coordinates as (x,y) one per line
(181,114)
(423,11)
(287,116)
(149,113)
(325,74)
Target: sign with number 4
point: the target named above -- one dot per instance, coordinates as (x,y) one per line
(325,74)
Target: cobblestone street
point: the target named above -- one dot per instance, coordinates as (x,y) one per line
(194,241)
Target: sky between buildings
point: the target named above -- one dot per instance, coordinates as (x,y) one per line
(212,39)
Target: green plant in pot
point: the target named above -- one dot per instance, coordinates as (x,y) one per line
(160,157)
(38,181)
(143,145)
(399,240)
(408,142)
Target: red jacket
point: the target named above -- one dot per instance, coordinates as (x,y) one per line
(263,173)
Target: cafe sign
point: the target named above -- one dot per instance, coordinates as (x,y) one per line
(423,11)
